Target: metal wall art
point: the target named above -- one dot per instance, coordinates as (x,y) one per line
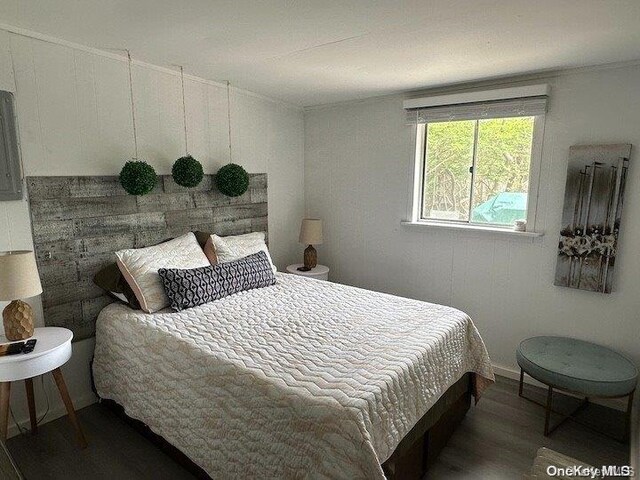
(593,202)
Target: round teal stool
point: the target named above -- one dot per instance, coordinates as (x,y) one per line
(577,367)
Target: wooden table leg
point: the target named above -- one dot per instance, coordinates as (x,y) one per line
(28,384)
(64,393)
(5,394)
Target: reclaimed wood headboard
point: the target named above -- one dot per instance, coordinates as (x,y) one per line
(78,222)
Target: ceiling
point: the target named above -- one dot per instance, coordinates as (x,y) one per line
(323,51)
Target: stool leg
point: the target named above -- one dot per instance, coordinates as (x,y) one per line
(627,424)
(64,393)
(548,411)
(520,387)
(28,384)
(5,394)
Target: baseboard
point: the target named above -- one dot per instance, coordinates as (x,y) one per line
(54,413)
(617,403)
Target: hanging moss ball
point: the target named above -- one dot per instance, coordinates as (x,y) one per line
(232,180)
(138,178)
(187,172)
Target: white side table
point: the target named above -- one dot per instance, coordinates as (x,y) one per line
(321,272)
(52,350)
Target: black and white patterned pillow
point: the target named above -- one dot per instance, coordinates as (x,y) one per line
(197,286)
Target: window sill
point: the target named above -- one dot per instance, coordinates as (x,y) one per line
(471,228)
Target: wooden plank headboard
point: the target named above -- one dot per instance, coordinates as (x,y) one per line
(78,222)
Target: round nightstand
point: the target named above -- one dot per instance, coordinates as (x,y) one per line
(52,350)
(321,272)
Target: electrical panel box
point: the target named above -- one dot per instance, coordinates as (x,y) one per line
(10,175)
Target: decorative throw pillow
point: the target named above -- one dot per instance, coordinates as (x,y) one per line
(140,268)
(197,286)
(234,247)
(111,280)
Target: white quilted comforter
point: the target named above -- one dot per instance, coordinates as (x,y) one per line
(304,379)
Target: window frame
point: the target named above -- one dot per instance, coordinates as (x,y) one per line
(534,223)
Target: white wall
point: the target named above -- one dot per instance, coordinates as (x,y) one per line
(74,118)
(357,175)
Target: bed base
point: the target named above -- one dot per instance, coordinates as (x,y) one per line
(418,450)
(410,460)
(159,441)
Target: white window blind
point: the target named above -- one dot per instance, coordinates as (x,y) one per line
(435,109)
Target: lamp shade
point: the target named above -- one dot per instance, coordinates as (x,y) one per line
(311,231)
(18,275)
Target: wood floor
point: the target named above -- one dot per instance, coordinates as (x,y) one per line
(497,440)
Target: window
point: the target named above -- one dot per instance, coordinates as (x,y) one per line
(477,163)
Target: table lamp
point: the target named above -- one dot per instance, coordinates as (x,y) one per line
(310,234)
(18,279)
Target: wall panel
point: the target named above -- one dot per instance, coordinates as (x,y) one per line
(358,156)
(85,213)
(74,119)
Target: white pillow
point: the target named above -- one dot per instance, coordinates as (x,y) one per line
(140,268)
(234,247)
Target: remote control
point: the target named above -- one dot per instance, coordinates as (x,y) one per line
(29,346)
(11,348)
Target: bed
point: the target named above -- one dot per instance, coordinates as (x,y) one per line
(303,379)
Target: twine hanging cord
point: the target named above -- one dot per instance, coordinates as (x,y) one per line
(184,113)
(133,108)
(229,118)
